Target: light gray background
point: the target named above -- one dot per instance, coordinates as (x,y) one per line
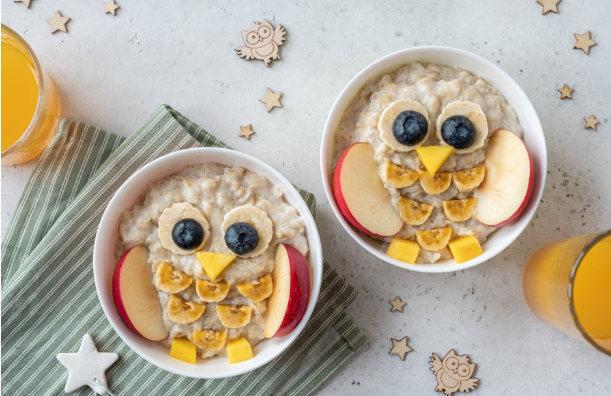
(113,72)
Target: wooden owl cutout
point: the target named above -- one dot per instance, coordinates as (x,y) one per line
(453,373)
(262,42)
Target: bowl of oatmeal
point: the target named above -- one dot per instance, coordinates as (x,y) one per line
(188,262)
(426,137)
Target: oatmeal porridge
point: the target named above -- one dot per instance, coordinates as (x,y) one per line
(422,107)
(212,234)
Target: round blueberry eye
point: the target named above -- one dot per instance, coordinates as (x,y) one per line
(187,234)
(458,131)
(410,127)
(241,238)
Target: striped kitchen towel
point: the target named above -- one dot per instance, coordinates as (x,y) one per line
(48,295)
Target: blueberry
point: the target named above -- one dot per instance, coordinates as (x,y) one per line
(241,238)
(458,131)
(410,128)
(187,234)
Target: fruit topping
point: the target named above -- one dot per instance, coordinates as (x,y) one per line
(242,238)
(404,250)
(182,311)
(433,157)
(404,125)
(398,177)
(171,280)
(414,212)
(239,350)
(212,340)
(434,240)
(257,290)
(212,291)
(458,132)
(360,194)
(183,349)
(465,249)
(180,236)
(459,209)
(437,184)
(135,296)
(188,234)
(509,180)
(234,316)
(214,263)
(469,179)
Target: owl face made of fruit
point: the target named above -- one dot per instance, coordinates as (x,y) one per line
(259,35)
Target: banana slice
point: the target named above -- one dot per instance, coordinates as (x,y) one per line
(212,291)
(212,340)
(258,290)
(255,217)
(459,209)
(184,312)
(387,120)
(173,215)
(475,114)
(413,212)
(437,184)
(434,240)
(470,179)
(234,316)
(171,280)
(398,177)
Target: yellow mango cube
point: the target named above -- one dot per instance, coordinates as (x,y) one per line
(433,157)
(239,350)
(465,249)
(404,250)
(214,263)
(183,349)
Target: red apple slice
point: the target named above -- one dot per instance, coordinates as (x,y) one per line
(135,295)
(509,180)
(360,194)
(289,300)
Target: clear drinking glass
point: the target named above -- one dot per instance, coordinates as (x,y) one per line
(25,135)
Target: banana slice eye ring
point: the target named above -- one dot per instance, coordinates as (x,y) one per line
(180,217)
(412,121)
(464,109)
(254,218)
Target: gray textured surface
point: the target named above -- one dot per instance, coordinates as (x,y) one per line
(113,72)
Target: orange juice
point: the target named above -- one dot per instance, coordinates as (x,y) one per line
(567,284)
(19,93)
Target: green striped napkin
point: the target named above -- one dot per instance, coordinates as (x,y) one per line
(49,299)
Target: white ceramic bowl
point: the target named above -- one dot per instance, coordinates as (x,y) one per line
(533,136)
(104,260)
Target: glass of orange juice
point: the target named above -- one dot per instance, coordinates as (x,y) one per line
(30,103)
(567,284)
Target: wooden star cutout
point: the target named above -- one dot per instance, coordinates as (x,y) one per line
(400,348)
(584,42)
(246,132)
(565,92)
(397,305)
(271,99)
(549,5)
(591,122)
(110,7)
(26,2)
(58,22)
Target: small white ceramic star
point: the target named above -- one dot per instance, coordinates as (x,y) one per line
(591,122)
(26,2)
(549,5)
(110,7)
(565,92)
(271,99)
(86,365)
(584,42)
(246,132)
(400,348)
(58,22)
(397,305)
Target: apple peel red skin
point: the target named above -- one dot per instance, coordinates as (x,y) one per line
(341,202)
(300,289)
(117,298)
